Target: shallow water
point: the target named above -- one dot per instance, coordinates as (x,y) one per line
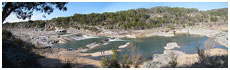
(146,46)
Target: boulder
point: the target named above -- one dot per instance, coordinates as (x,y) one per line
(159,60)
(171,45)
(162,60)
(222,38)
(177,53)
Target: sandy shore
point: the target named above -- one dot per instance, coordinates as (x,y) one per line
(76,59)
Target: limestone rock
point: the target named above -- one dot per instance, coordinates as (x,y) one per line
(125,45)
(162,60)
(171,45)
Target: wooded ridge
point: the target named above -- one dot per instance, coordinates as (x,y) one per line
(137,19)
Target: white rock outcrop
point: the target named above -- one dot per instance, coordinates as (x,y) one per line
(222,38)
(92,45)
(171,45)
(178,53)
(162,60)
(125,45)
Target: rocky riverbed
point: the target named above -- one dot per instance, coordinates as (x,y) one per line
(47,38)
(39,37)
(44,38)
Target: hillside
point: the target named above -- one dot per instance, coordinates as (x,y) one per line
(136,19)
(17,53)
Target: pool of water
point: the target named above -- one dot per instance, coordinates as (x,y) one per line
(146,47)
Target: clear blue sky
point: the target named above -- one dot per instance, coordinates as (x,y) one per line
(100,7)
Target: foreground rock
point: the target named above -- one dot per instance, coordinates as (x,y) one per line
(222,38)
(171,45)
(162,60)
(174,52)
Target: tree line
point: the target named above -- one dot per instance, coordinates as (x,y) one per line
(141,18)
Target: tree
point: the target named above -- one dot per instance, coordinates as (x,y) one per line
(213,18)
(105,62)
(25,10)
(125,61)
(112,62)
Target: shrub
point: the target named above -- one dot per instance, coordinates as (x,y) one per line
(105,62)
(171,27)
(213,19)
(173,62)
(205,61)
(19,56)
(17,42)
(67,65)
(201,54)
(184,26)
(113,62)
(191,24)
(136,56)
(125,62)
(6,34)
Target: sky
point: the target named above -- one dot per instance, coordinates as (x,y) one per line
(100,7)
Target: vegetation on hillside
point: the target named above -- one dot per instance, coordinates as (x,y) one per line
(141,18)
(16,53)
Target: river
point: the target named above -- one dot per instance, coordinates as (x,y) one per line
(146,47)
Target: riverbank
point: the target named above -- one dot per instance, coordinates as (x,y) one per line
(55,55)
(46,39)
(43,37)
(218,32)
(39,37)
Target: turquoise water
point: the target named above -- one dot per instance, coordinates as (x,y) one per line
(145,46)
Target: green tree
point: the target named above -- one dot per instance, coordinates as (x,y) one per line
(213,18)
(6,34)
(25,10)
(113,62)
(125,62)
(105,62)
